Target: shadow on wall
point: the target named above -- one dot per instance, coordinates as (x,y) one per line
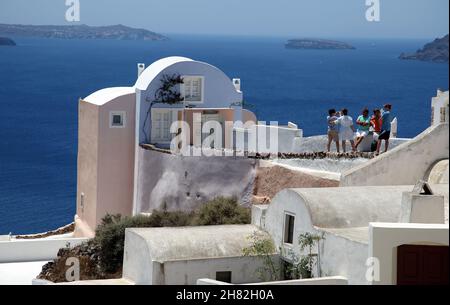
(184,183)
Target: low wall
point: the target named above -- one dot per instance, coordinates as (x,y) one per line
(319,143)
(332,280)
(184,183)
(405,164)
(287,137)
(34,249)
(187,272)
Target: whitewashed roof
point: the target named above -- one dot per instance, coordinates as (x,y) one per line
(184,243)
(352,207)
(152,71)
(106,95)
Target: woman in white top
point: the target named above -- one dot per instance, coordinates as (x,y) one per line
(346,129)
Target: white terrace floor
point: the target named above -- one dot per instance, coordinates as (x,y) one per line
(19,273)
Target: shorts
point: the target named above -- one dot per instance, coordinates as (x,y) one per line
(333,134)
(384,135)
(362,134)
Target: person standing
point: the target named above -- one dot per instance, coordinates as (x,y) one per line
(363,123)
(385,134)
(346,129)
(376,122)
(333,134)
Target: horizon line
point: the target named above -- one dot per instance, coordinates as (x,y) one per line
(284,36)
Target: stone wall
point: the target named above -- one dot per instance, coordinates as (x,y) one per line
(184,183)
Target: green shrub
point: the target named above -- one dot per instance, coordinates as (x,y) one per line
(221,211)
(110,234)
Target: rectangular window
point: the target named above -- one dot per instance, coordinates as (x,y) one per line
(223,276)
(193,89)
(289,229)
(117,119)
(442,114)
(432,115)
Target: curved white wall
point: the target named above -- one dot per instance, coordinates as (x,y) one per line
(219,91)
(405,164)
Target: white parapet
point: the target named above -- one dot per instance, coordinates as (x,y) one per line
(394,127)
(331,280)
(267,138)
(34,250)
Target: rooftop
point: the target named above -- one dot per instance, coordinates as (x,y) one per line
(103,96)
(183,243)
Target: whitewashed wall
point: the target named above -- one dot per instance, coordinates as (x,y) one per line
(384,238)
(34,249)
(405,164)
(184,183)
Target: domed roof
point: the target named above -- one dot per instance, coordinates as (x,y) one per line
(439,172)
(152,71)
(184,243)
(106,95)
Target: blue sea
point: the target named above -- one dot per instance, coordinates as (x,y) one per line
(42,79)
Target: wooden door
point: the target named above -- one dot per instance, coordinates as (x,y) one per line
(422,265)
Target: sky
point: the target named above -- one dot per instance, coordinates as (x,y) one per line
(283,18)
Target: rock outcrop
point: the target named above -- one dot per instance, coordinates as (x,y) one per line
(118,32)
(318,44)
(6,42)
(436,51)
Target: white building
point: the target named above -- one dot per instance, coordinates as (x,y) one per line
(181,256)
(347,217)
(439,108)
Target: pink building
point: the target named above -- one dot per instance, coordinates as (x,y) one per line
(114,122)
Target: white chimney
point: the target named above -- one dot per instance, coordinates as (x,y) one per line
(237,83)
(394,128)
(140,69)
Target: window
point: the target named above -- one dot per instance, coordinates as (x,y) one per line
(442,114)
(193,89)
(117,119)
(432,115)
(289,229)
(223,276)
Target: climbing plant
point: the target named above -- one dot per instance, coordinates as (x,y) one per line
(167,93)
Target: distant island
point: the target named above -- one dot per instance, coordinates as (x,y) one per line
(436,51)
(6,42)
(318,44)
(118,32)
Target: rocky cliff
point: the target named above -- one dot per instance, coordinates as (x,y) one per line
(436,51)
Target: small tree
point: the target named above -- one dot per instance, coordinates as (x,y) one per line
(305,263)
(263,247)
(167,93)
